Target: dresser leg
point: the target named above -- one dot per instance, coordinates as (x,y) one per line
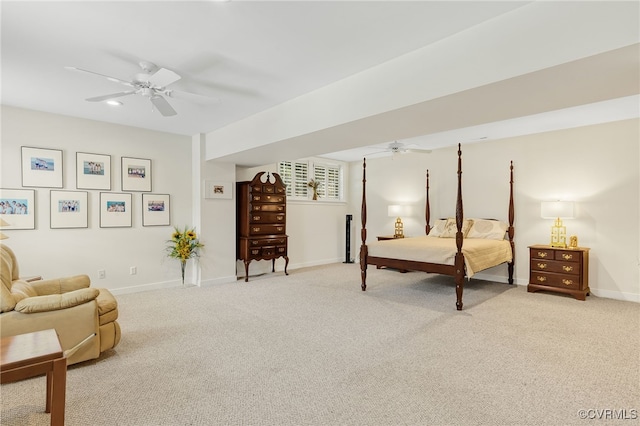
(273,265)
(246,270)
(286,263)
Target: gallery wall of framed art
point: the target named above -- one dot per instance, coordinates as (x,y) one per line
(43,168)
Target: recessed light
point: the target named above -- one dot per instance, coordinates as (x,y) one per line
(114,103)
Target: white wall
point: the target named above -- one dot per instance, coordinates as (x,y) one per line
(596,166)
(61,252)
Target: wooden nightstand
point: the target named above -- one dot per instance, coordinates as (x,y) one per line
(386,237)
(562,270)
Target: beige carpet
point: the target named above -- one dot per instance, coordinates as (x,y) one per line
(313,349)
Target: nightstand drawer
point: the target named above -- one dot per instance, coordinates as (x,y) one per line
(568,255)
(570,282)
(555,266)
(541,253)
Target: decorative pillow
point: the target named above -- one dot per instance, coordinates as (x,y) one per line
(488,229)
(438,228)
(450,228)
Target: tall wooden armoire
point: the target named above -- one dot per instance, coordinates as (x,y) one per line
(262,220)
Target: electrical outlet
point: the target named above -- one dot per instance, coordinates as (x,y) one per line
(133,270)
(102,274)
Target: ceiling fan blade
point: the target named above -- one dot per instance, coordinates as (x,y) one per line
(419,150)
(114,79)
(111,96)
(189,96)
(163,77)
(163,106)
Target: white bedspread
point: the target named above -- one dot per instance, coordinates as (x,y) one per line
(479,254)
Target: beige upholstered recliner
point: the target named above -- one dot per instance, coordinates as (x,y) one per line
(84,317)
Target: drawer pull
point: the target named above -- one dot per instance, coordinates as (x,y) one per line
(541,279)
(256,218)
(257,207)
(567,282)
(256,229)
(542,254)
(567,268)
(256,197)
(255,251)
(542,265)
(280,228)
(566,256)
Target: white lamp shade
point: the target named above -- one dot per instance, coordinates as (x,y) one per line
(557,209)
(398,210)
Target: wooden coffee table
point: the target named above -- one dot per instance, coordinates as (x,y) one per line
(32,354)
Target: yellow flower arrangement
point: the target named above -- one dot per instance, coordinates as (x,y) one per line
(184,245)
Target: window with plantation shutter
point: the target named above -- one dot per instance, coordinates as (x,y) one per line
(329,178)
(297,174)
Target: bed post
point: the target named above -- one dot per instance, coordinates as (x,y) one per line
(427,212)
(511,230)
(363,233)
(459,260)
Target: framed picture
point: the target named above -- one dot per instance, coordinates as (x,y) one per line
(136,174)
(217,189)
(41,167)
(69,209)
(115,210)
(18,208)
(155,210)
(93,171)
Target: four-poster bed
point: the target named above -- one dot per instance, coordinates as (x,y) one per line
(440,255)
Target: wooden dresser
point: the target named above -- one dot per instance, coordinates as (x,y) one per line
(261,220)
(560,270)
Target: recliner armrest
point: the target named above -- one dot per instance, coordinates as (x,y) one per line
(60,285)
(54,302)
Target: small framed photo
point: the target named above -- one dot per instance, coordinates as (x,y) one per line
(17,208)
(115,210)
(155,210)
(69,209)
(41,167)
(218,189)
(93,171)
(136,174)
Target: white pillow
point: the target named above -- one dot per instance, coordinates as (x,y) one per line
(438,228)
(451,228)
(488,229)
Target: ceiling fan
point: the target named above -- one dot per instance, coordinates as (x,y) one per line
(396,147)
(151,83)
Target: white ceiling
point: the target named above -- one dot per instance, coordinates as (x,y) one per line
(249,56)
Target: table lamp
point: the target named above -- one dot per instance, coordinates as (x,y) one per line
(396,210)
(557,210)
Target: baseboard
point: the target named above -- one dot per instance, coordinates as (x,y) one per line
(170,284)
(617,295)
(145,287)
(266,268)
